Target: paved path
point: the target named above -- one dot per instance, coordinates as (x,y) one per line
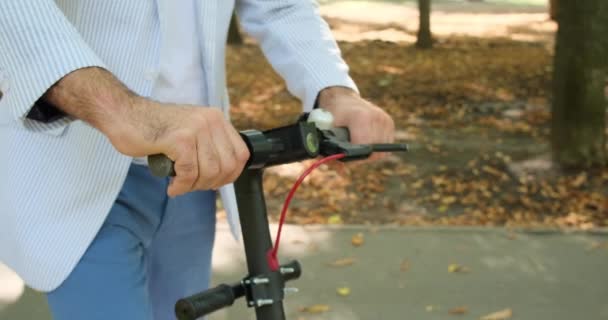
(539,275)
(356,20)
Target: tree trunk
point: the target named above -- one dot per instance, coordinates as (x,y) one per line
(553,9)
(579,77)
(234,36)
(425,39)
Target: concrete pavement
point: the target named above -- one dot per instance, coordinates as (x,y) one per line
(402,273)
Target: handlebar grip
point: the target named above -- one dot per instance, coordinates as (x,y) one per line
(161,166)
(295,270)
(204,303)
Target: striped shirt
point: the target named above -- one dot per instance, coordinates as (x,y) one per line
(60,179)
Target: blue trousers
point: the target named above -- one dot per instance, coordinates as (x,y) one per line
(151,251)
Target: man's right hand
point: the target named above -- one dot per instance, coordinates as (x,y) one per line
(208,152)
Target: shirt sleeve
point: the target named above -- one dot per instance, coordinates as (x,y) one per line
(298,44)
(38,47)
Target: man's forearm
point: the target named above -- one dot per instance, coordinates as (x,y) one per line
(330,93)
(93,95)
(207,150)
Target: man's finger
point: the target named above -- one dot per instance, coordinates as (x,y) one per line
(225,156)
(241,153)
(186,167)
(208,163)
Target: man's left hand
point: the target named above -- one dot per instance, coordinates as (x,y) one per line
(366,122)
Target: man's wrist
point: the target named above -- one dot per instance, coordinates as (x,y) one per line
(92,95)
(328,95)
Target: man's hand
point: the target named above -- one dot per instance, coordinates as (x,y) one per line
(208,152)
(366,122)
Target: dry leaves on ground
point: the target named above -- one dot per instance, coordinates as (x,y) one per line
(459,310)
(405,265)
(456,268)
(358,240)
(345,262)
(315,308)
(499,315)
(343,291)
(471,108)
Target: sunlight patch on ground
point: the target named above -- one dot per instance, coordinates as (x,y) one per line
(12,286)
(296,241)
(364,20)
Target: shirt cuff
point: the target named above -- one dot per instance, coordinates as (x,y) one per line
(310,100)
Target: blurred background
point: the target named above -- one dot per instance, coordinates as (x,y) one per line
(499,211)
(471,91)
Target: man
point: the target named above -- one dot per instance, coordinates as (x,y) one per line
(88,88)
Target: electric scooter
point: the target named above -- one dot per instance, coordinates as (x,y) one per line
(264,286)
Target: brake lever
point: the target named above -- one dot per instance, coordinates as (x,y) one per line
(336,141)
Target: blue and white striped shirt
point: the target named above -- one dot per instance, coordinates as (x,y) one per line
(60,179)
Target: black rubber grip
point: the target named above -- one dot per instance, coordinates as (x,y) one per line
(204,303)
(297,271)
(161,166)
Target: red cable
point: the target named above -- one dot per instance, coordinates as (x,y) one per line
(271,256)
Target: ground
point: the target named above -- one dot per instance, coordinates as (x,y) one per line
(475,111)
(415,273)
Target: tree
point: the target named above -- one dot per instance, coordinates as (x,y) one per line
(553,9)
(425,39)
(234,35)
(580,73)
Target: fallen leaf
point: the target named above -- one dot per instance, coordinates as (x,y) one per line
(334,219)
(405,265)
(315,308)
(493,171)
(459,310)
(418,184)
(357,240)
(343,291)
(385,82)
(598,245)
(499,315)
(390,69)
(342,262)
(448,200)
(456,268)
(579,180)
